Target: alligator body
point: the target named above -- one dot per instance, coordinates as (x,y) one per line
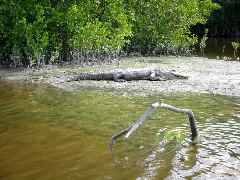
(129,75)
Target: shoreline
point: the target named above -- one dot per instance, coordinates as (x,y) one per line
(205,76)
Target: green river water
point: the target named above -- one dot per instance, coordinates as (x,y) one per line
(48,133)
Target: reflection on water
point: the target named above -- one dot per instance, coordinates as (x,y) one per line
(215,156)
(50,133)
(220,48)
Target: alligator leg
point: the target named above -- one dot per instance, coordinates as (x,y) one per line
(119,77)
(153,77)
(157,78)
(178,76)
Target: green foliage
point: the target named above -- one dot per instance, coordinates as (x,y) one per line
(170,135)
(35,28)
(236,45)
(179,137)
(164,25)
(47,29)
(105,28)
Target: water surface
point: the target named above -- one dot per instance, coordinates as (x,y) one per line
(49,133)
(220,48)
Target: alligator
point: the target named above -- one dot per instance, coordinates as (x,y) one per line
(127,75)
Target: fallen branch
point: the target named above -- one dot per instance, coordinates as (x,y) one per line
(111,145)
(154,106)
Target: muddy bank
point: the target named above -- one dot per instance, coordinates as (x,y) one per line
(205,76)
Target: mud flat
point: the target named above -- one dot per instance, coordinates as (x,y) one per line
(205,76)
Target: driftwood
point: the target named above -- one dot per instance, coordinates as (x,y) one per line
(154,106)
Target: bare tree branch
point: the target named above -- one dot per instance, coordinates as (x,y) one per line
(111,145)
(154,106)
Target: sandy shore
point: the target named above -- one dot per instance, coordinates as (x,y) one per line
(205,76)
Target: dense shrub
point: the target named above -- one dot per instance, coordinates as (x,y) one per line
(35,31)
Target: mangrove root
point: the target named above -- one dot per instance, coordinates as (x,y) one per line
(154,106)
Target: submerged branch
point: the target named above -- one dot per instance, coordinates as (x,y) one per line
(111,145)
(154,106)
(142,119)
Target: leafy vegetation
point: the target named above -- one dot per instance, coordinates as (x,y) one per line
(163,27)
(32,32)
(235,45)
(176,136)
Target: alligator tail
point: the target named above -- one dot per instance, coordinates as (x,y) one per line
(97,77)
